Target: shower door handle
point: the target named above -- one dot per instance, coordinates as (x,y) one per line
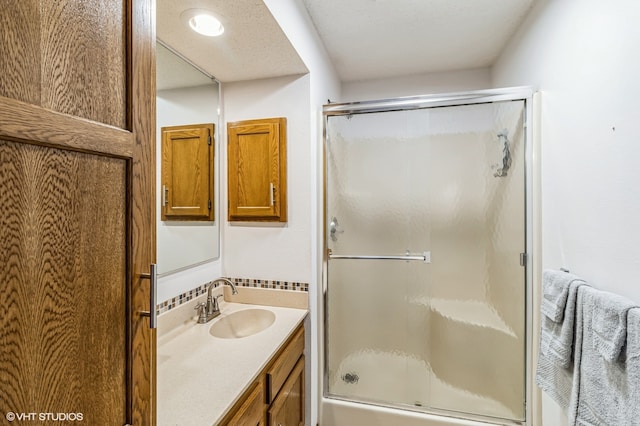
(424,257)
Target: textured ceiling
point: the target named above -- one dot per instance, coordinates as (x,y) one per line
(369,39)
(366,39)
(253,45)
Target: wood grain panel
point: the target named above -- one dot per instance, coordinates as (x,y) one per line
(63,283)
(186,151)
(282,366)
(69,56)
(55,129)
(256,151)
(66,66)
(20,41)
(143,112)
(288,407)
(251,412)
(84,59)
(187,172)
(257,170)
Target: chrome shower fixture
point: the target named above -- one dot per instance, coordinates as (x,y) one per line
(334,229)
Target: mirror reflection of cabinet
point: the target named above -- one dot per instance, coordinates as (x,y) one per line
(185,95)
(187,172)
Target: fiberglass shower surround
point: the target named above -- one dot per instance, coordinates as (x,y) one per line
(426,292)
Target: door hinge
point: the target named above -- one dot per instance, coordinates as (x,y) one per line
(209,205)
(523,259)
(209,140)
(165,190)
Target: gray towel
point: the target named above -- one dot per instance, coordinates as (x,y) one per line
(554,372)
(602,387)
(555,290)
(631,406)
(557,336)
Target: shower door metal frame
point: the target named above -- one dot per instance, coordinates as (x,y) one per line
(525,94)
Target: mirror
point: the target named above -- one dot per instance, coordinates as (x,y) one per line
(185,95)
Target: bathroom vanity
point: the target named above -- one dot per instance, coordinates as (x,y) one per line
(276,397)
(246,380)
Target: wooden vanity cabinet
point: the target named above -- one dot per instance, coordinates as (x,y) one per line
(276,398)
(288,407)
(251,409)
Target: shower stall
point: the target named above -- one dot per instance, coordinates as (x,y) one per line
(426,281)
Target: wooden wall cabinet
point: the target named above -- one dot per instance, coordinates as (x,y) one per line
(187,172)
(276,398)
(257,170)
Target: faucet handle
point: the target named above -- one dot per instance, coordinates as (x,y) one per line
(216,304)
(202,311)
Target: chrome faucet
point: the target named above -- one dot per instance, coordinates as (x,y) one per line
(211,309)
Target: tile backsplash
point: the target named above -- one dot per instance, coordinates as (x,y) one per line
(239,282)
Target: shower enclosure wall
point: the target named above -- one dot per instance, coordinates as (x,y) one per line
(426,242)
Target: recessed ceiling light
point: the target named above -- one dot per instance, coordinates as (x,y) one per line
(203,22)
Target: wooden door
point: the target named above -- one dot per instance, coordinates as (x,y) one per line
(77,224)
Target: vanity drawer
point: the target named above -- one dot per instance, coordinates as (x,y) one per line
(279,370)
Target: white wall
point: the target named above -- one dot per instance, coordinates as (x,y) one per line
(418,84)
(583,56)
(294,20)
(273,251)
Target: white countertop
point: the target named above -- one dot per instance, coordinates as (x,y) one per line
(199,376)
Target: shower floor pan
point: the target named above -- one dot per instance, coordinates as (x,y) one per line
(359,378)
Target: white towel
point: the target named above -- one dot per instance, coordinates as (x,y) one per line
(601,389)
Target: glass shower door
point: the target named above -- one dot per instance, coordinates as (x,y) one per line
(425,227)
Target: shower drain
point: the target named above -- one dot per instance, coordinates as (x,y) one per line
(350,378)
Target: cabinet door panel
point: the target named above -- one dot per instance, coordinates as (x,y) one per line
(257,170)
(288,407)
(282,366)
(187,172)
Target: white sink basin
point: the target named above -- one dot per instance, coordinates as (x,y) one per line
(242,323)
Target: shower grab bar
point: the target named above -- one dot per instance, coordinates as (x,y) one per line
(424,257)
